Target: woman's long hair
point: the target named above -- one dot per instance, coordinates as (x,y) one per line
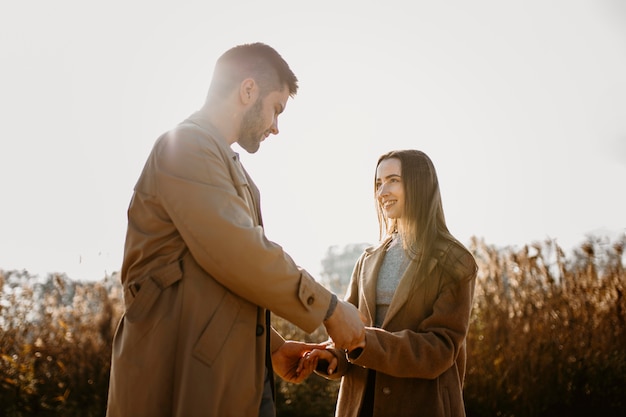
(423,222)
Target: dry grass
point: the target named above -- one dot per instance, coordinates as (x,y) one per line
(548,333)
(55,345)
(548,337)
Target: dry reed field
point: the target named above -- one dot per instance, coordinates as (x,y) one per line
(548,337)
(55,345)
(549,332)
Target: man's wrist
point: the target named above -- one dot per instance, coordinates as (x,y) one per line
(331,307)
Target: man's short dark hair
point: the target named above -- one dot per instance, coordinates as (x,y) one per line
(258,61)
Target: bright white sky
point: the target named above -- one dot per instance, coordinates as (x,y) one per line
(521,106)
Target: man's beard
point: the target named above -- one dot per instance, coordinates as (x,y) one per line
(251,130)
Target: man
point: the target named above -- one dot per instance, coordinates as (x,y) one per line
(199,274)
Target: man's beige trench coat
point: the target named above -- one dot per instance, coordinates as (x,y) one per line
(199,274)
(420,359)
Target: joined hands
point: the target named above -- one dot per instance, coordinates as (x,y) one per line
(295,361)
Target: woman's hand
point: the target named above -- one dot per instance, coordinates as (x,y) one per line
(325,359)
(293,361)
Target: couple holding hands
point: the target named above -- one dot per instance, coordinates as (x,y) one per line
(200,277)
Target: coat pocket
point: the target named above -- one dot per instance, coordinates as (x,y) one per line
(141,296)
(216,333)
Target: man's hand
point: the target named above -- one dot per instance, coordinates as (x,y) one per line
(345,326)
(293,363)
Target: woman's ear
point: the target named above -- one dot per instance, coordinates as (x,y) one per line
(248,91)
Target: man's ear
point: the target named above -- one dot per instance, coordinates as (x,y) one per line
(248,91)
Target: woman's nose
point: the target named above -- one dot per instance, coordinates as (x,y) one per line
(382,190)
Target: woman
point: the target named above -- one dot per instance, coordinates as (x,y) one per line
(415,290)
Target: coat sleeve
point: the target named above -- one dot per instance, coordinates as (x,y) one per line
(193,181)
(430,349)
(352,296)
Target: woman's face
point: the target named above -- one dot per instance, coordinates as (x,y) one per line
(389,188)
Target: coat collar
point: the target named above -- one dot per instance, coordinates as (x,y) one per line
(371,267)
(199,119)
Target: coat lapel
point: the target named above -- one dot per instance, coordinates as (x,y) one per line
(371,266)
(255,195)
(250,192)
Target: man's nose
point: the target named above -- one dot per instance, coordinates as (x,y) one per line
(274,128)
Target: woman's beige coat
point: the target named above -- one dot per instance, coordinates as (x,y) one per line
(198,275)
(419,357)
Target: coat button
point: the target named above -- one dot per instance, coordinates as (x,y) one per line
(310,300)
(259,330)
(386,390)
